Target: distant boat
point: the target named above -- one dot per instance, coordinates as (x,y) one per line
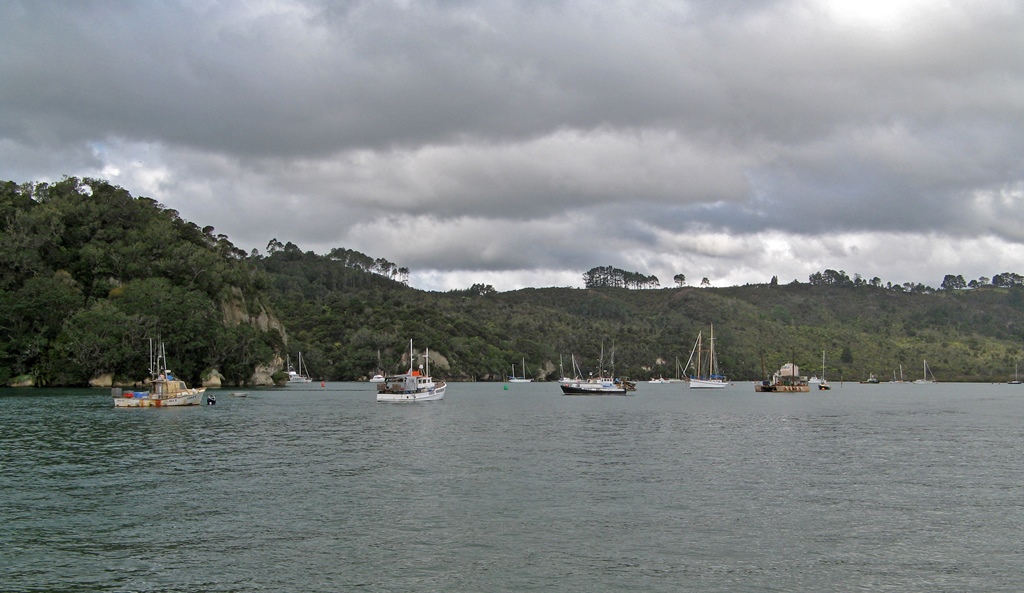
(660,381)
(680,373)
(239,394)
(515,379)
(705,376)
(378,377)
(786,380)
(871,380)
(894,379)
(561,371)
(924,378)
(298,376)
(413,386)
(164,389)
(599,385)
(823,384)
(1016,379)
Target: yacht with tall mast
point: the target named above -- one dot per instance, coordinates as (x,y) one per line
(706,374)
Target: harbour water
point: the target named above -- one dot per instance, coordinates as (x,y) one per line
(320,489)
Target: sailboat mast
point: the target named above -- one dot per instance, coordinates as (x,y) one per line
(700,347)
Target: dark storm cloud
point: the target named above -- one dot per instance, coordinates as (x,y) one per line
(738,135)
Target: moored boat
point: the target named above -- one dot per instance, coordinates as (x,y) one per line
(823,383)
(414,386)
(378,376)
(594,386)
(925,380)
(786,380)
(299,376)
(705,375)
(599,385)
(165,390)
(514,379)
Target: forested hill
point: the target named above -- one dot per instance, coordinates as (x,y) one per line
(478,333)
(88,274)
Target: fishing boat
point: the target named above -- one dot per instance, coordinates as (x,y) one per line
(165,390)
(823,384)
(786,380)
(871,380)
(601,384)
(414,386)
(298,376)
(924,380)
(705,375)
(514,379)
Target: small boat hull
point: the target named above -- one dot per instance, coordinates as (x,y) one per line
(772,388)
(707,384)
(193,398)
(584,388)
(432,394)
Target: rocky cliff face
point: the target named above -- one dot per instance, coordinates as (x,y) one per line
(237,311)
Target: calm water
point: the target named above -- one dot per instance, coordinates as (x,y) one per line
(864,488)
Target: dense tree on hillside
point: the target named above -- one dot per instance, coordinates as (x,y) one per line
(951,282)
(609,276)
(87,271)
(88,274)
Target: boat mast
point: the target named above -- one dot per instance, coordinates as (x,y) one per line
(700,347)
(712,362)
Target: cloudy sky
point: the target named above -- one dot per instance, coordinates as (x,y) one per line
(521,143)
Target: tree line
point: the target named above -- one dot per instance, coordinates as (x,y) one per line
(89,273)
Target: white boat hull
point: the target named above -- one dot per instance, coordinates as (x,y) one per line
(707,384)
(433,394)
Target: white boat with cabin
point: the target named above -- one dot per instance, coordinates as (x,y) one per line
(299,376)
(164,389)
(414,386)
(514,379)
(924,380)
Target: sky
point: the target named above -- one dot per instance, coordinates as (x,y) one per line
(522,143)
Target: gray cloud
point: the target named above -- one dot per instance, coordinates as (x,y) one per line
(526,140)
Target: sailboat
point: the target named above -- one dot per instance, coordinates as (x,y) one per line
(711,379)
(823,384)
(515,379)
(894,379)
(299,376)
(924,379)
(1016,379)
(561,371)
(378,377)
